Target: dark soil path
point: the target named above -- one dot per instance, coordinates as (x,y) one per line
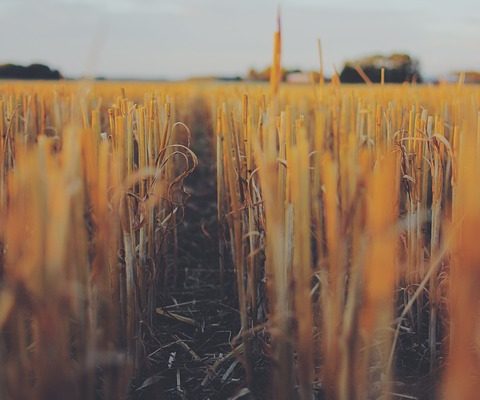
(189,354)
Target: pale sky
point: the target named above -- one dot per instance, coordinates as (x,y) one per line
(180,38)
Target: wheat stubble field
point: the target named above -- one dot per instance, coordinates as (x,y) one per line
(216,241)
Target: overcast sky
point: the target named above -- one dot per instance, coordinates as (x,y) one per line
(181,38)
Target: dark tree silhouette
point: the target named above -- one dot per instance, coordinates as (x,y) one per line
(34,71)
(399,68)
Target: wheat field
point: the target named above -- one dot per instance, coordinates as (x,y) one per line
(335,225)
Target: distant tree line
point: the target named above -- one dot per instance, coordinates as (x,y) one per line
(34,71)
(398,68)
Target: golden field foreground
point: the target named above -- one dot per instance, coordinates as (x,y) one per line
(198,241)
